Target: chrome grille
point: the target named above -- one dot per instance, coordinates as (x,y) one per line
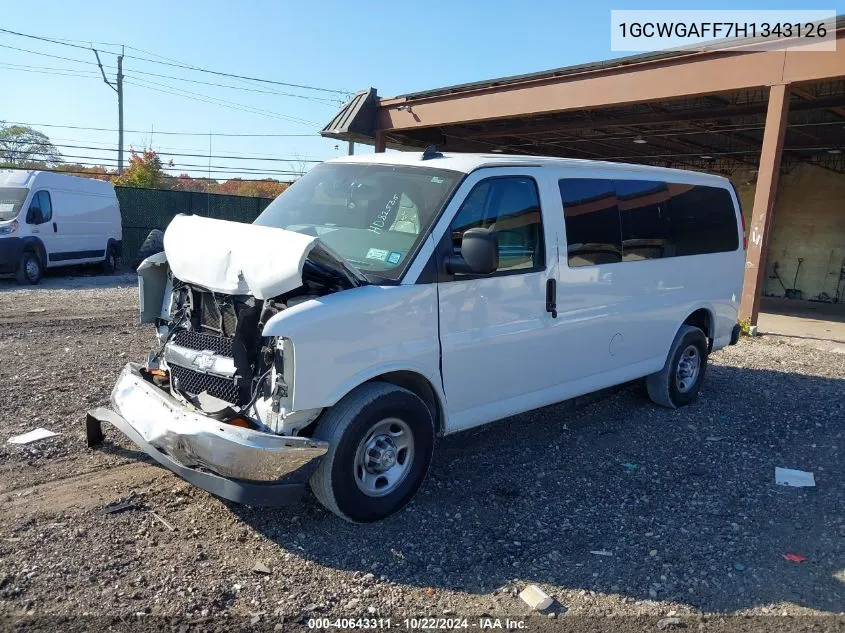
(194,382)
(200,342)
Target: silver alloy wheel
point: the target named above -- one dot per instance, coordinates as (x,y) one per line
(31,268)
(384,457)
(689,366)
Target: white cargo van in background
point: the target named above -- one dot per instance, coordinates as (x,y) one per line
(49,220)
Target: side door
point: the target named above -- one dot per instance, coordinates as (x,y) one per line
(497,336)
(39,216)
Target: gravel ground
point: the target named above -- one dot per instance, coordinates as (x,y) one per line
(681,505)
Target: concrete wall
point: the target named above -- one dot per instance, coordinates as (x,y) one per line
(809,222)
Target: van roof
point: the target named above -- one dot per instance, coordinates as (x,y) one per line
(30,179)
(467,163)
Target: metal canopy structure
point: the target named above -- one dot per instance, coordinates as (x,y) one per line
(720,109)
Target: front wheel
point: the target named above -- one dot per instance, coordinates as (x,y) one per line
(381,439)
(679,382)
(30,269)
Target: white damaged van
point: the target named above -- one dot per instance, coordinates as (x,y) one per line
(49,220)
(385,300)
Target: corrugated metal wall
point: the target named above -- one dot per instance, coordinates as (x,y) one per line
(145,209)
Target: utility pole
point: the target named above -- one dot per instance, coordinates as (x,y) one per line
(120,111)
(119,90)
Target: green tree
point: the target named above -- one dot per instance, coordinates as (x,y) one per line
(21,146)
(145,170)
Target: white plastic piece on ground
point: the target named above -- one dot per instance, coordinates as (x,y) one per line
(794,478)
(601,552)
(536,598)
(32,436)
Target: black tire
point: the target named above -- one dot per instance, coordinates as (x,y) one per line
(346,426)
(110,262)
(152,245)
(30,269)
(665,387)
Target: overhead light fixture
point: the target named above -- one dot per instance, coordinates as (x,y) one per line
(834,151)
(639,140)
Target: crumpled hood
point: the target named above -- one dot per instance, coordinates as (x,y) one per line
(236,258)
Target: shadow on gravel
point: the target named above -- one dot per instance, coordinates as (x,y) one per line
(683,501)
(73,278)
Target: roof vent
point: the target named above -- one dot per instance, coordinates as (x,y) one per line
(431,152)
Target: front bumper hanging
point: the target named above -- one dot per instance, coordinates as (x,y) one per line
(238,464)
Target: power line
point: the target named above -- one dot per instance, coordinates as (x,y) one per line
(93,174)
(164,153)
(206,134)
(185,66)
(94,161)
(215,101)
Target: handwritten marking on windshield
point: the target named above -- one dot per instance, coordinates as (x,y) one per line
(378,225)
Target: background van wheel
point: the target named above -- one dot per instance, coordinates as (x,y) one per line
(679,382)
(110,263)
(30,270)
(381,439)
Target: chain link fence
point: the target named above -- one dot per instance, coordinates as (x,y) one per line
(143,210)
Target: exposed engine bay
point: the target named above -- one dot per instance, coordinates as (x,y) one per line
(212,355)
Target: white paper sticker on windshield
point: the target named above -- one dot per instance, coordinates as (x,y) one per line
(7,207)
(377,253)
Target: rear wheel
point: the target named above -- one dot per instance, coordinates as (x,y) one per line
(30,270)
(381,439)
(110,262)
(679,382)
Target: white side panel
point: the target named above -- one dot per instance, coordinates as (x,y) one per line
(344,339)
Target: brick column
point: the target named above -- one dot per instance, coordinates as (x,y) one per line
(765,197)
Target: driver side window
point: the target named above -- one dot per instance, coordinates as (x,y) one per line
(42,206)
(510,206)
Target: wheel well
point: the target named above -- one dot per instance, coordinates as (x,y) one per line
(420,386)
(703,320)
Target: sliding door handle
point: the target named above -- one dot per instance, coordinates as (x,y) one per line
(551,297)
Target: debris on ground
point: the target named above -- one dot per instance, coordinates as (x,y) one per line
(795,558)
(261,568)
(665,623)
(121,506)
(601,552)
(536,598)
(31,436)
(794,478)
(629,466)
(161,520)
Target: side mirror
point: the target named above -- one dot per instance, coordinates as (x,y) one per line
(34,216)
(479,253)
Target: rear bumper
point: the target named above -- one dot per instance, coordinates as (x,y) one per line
(238,464)
(735,334)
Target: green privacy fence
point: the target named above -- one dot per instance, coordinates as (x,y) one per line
(143,210)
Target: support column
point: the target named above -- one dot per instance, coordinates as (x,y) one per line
(381,142)
(765,196)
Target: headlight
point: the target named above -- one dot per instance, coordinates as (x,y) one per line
(9,229)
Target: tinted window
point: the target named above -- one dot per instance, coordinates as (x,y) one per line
(644,215)
(40,201)
(703,221)
(629,220)
(591,212)
(511,207)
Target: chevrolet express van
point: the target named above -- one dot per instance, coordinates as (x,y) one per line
(49,220)
(385,300)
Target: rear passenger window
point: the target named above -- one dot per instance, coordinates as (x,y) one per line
(511,207)
(593,233)
(704,221)
(609,221)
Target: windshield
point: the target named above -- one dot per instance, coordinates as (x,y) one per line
(374,216)
(11,199)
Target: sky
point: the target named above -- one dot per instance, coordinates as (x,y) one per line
(333,45)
